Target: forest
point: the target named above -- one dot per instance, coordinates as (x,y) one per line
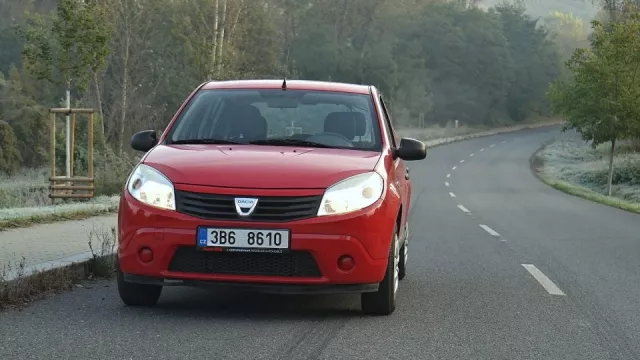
(135,61)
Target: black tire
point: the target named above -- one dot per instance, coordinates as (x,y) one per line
(137,294)
(403,255)
(402,271)
(383,301)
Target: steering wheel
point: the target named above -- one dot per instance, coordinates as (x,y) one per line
(330,139)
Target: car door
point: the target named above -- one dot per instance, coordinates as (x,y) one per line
(401,171)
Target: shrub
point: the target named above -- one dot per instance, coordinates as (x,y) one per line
(10,158)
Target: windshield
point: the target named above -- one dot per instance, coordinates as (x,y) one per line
(277,117)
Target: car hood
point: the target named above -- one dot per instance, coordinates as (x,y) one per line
(257,166)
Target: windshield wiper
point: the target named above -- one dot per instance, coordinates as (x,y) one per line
(206,141)
(289,142)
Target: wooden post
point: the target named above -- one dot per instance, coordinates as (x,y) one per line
(72,134)
(53,148)
(90,137)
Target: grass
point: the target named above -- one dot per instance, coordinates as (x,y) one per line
(103,260)
(585,193)
(569,164)
(24,197)
(27,288)
(28,216)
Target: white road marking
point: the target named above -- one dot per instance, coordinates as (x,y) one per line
(452,194)
(492,145)
(490,231)
(546,283)
(461,161)
(471,154)
(446,183)
(502,142)
(482,149)
(463,208)
(453,168)
(448,175)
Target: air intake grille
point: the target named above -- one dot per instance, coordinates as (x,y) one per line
(291,264)
(268,209)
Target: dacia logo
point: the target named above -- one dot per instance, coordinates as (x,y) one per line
(245,206)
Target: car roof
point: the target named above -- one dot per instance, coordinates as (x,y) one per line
(291,84)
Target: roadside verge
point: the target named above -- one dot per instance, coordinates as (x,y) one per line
(26,217)
(21,284)
(538,165)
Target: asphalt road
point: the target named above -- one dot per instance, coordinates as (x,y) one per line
(467,294)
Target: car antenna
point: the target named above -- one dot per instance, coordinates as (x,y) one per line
(284,85)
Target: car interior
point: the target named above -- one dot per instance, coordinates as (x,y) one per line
(242,122)
(240,119)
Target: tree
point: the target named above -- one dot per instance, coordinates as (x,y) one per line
(538,62)
(601,101)
(568,31)
(29,121)
(9,155)
(67,48)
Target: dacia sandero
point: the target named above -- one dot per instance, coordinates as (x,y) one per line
(280,186)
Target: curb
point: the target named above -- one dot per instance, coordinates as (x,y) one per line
(49,265)
(37,283)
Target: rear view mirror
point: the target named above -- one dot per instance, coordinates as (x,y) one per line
(411,149)
(281,100)
(144,140)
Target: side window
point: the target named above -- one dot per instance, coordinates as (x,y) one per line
(387,121)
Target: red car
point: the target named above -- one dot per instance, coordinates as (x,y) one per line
(272,186)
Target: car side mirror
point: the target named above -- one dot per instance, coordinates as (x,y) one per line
(411,149)
(144,140)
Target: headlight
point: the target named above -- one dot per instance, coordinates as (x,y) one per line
(150,186)
(351,194)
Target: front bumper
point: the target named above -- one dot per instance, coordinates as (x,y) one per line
(316,245)
(270,288)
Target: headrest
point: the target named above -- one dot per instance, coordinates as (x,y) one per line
(349,124)
(241,111)
(247,121)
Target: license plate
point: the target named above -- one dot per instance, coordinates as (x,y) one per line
(244,240)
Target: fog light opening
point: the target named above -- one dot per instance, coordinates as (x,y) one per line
(346,263)
(146,255)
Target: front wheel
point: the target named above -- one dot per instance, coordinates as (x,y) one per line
(383,301)
(404,254)
(137,294)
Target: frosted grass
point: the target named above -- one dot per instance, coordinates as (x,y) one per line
(571,159)
(100,203)
(25,178)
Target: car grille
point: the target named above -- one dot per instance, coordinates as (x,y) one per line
(291,264)
(268,209)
